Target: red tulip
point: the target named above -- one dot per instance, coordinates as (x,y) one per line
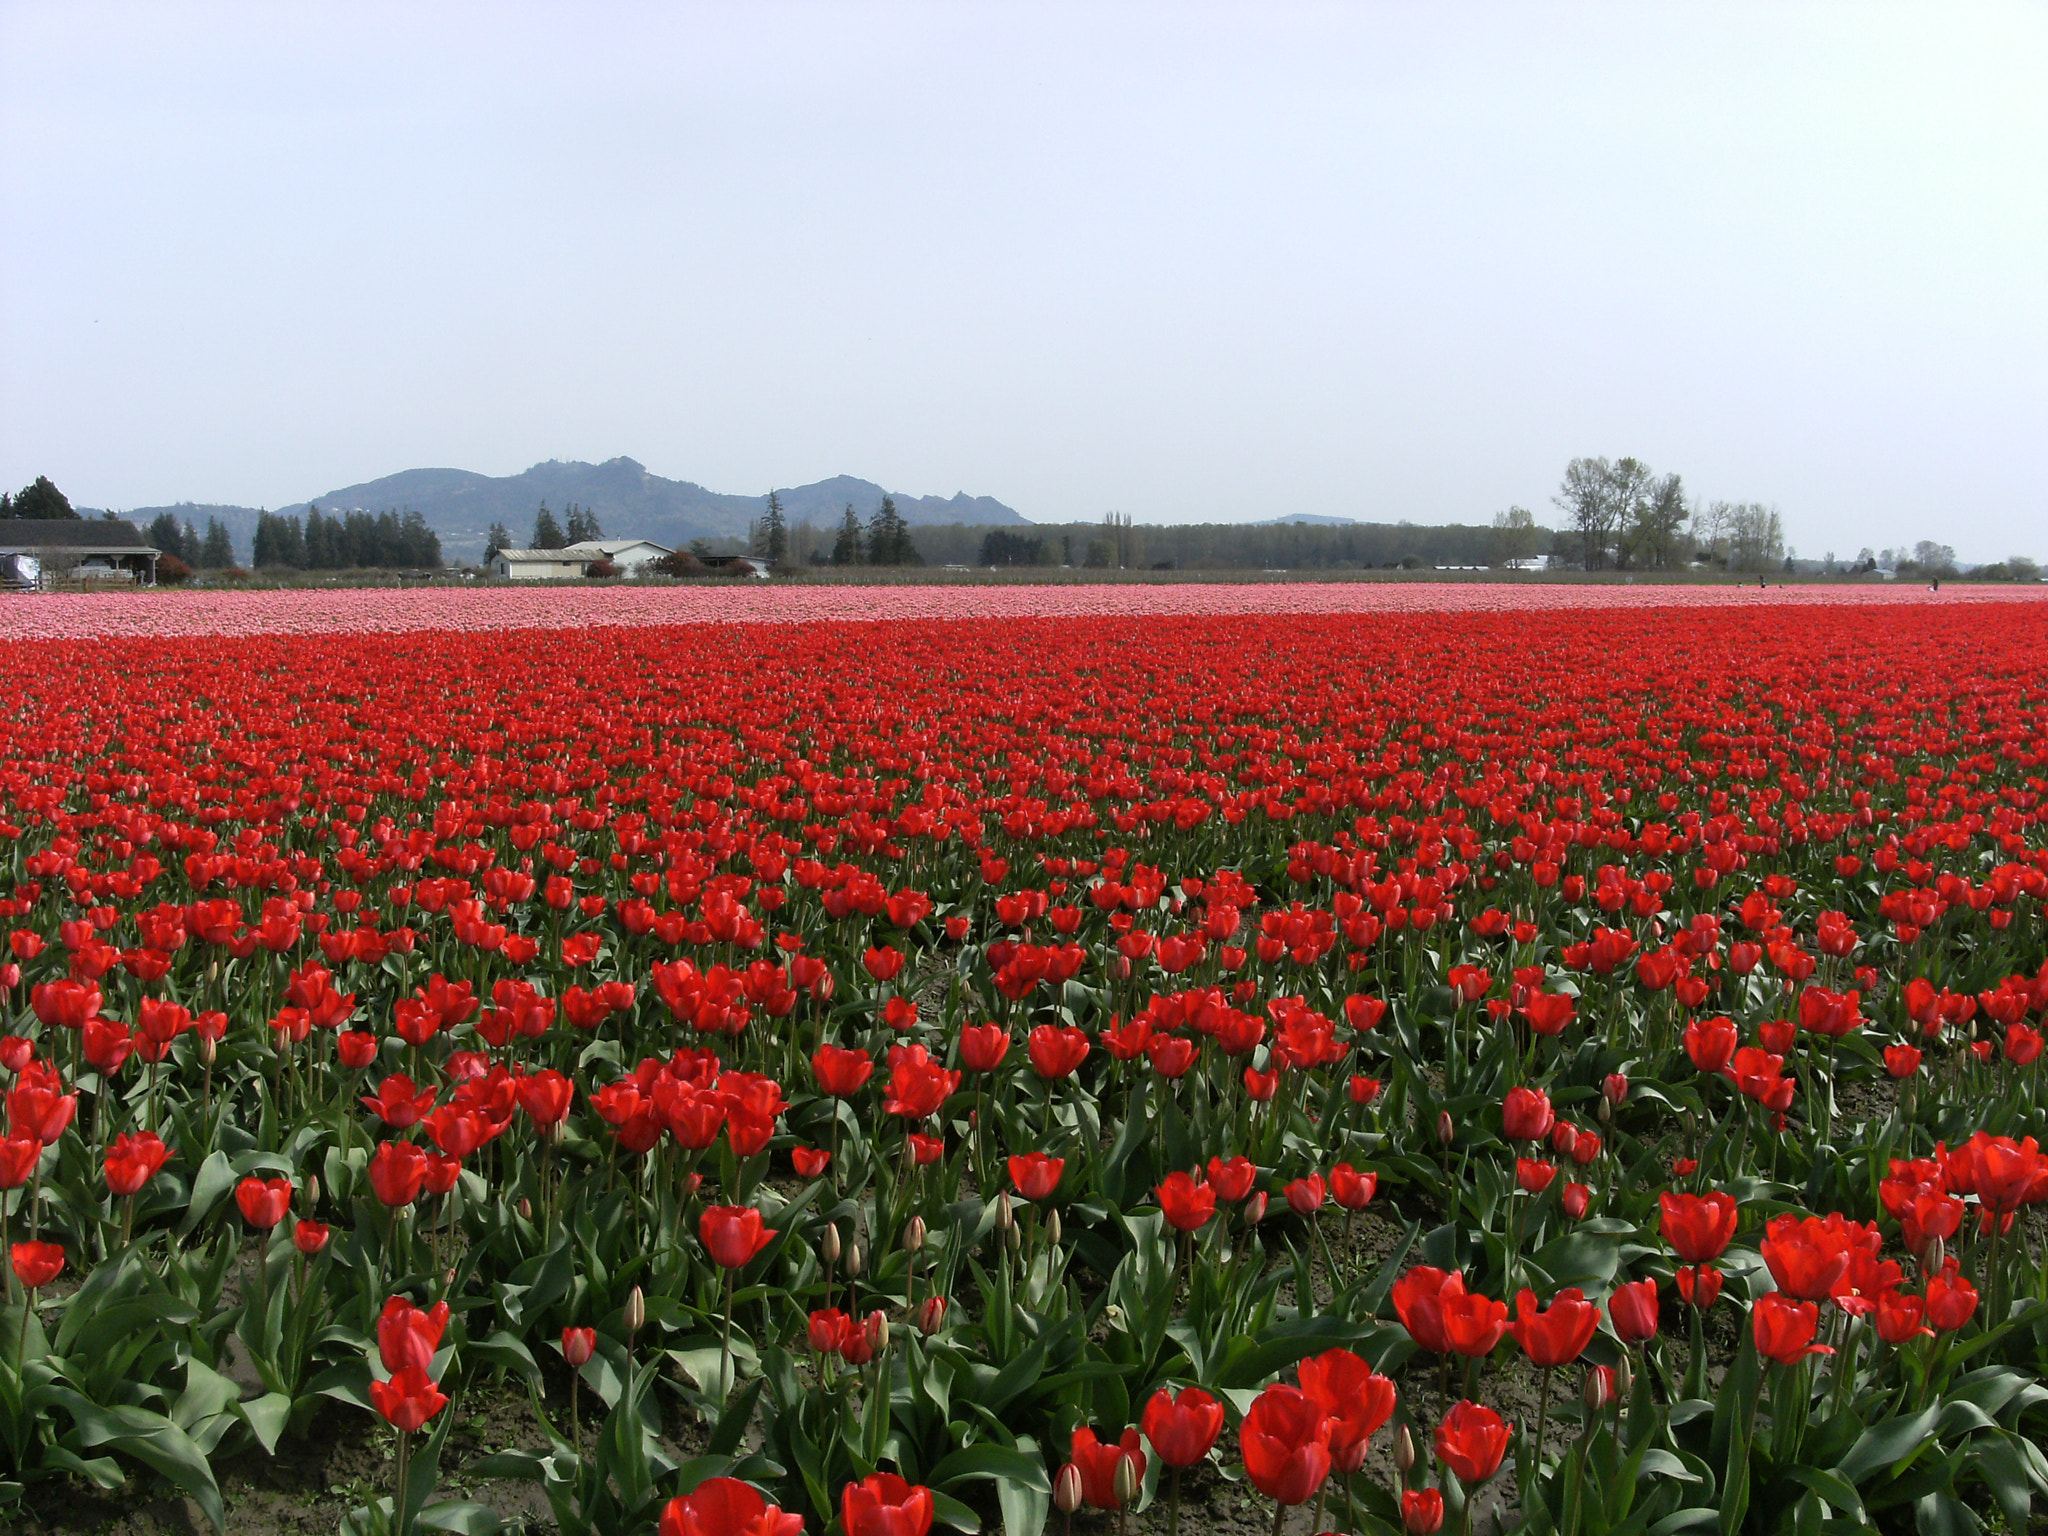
(983,1046)
(133,1160)
(408,1399)
(407,1336)
(1556,1336)
(36,1264)
(883,1504)
(1806,1255)
(1232,1180)
(545,1096)
(1285,1439)
(1418,1301)
(1183,1426)
(1698,1227)
(1036,1174)
(733,1234)
(1188,1204)
(398,1171)
(809,1162)
(841,1072)
(263,1202)
(1526,1115)
(1471,1441)
(1951,1298)
(1699,1286)
(1784,1328)
(725,1506)
(1633,1309)
(1356,1399)
(1473,1324)
(1305,1196)
(309,1237)
(1098,1463)
(1055,1051)
(1422,1511)
(1351,1189)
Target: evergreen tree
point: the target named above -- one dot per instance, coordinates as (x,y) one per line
(846,549)
(583,525)
(40,499)
(547,533)
(218,552)
(164,535)
(889,537)
(500,538)
(188,540)
(772,538)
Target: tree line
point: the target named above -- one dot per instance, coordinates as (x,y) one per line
(385,540)
(884,539)
(213,551)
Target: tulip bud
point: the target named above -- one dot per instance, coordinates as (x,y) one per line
(636,1311)
(212,975)
(1404,1451)
(931,1315)
(578,1344)
(1052,1228)
(553,1134)
(525,1209)
(1127,1482)
(312,1192)
(1599,1389)
(1005,1220)
(1937,1255)
(829,1247)
(207,1050)
(855,1259)
(1013,1239)
(1445,1131)
(1066,1489)
(448,1278)
(877,1330)
(913,1234)
(1255,1209)
(1614,1088)
(1624,1377)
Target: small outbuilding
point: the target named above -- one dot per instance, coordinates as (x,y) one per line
(42,552)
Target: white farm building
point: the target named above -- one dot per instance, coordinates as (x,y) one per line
(632,557)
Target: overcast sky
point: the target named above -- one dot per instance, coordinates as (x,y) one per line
(1186,262)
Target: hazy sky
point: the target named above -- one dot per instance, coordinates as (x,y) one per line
(1189,262)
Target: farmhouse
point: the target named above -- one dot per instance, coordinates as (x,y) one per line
(633,557)
(41,552)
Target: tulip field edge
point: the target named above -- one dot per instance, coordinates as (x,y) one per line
(1370,1058)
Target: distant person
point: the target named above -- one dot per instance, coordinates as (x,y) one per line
(1934,585)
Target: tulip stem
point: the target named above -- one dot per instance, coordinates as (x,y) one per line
(1173,1503)
(1279,1516)
(725,1348)
(1542,1416)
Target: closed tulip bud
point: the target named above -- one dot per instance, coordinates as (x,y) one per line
(1445,1131)
(1255,1209)
(312,1192)
(1937,1255)
(931,1315)
(207,1050)
(1128,1480)
(1404,1451)
(1624,1377)
(877,1330)
(1605,1113)
(913,1235)
(448,1278)
(554,1133)
(525,1209)
(1012,1239)
(854,1258)
(829,1246)
(1005,1217)
(1066,1489)
(636,1311)
(1052,1228)
(1599,1389)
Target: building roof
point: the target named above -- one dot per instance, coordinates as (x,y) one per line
(81,535)
(574,555)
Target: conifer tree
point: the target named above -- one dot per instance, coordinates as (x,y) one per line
(218,552)
(772,537)
(547,533)
(846,549)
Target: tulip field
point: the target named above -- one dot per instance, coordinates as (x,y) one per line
(1547,1060)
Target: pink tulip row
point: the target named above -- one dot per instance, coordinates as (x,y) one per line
(80,616)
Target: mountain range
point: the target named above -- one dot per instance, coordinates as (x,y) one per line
(630,502)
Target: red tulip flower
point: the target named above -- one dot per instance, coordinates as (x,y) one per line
(310,1237)
(407,1400)
(408,1336)
(725,1506)
(1182,1427)
(1698,1227)
(733,1234)
(1232,1180)
(1558,1335)
(36,1264)
(1471,1441)
(1056,1051)
(1418,1301)
(1633,1309)
(1285,1439)
(1951,1298)
(983,1046)
(1356,1399)
(1187,1203)
(1422,1511)
(1351,1189)
(841,1072)
(1037,1174)
(398,1171)
(1784,1328)
(883,1504)
(1473,1324)
(545,1096)
(133,1160)
(1305,1196)
(1806,1255)
(1526,1115)
(264,1202)
(1098,1463)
